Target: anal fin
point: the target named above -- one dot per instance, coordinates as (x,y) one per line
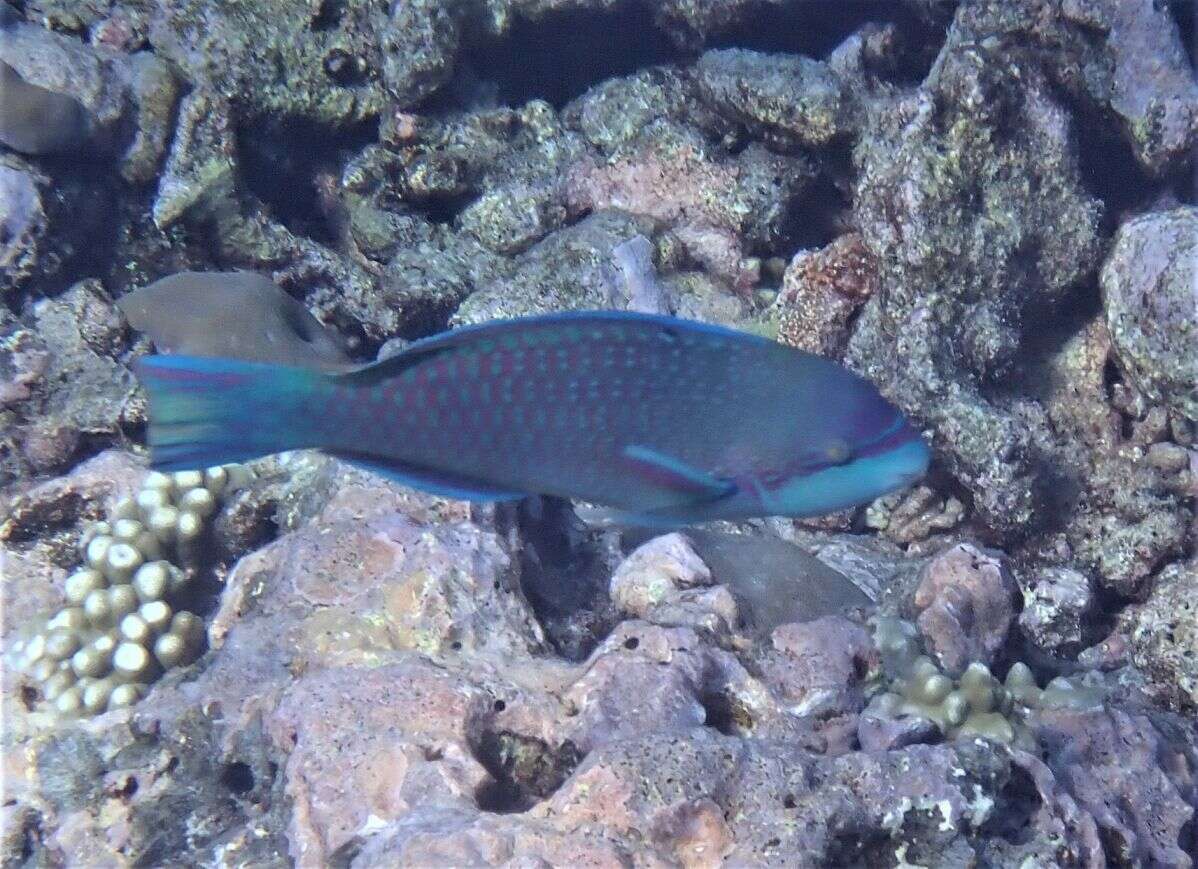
(427,480)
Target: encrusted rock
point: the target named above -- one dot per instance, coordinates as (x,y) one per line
(821,290)
(956,279)
(1163,634)
(788,93)
(1150,292)
(966,605)
(1057,601)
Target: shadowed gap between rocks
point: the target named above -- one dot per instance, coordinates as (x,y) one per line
(1109,170)
(816,29)
(565,54)
(564,571)
(282,161)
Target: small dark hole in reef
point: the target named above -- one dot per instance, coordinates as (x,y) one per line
(237,777)
(631,643)
(1019,800)
(282,159)
(499,706)
(722,714)
(814,219)
(29,696)
(860,847)
(445,209)
(527,62)
(788,801)
(456,646)
(329,15)
(523,769)
(344,68)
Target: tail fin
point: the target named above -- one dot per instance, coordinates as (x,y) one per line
(207,411)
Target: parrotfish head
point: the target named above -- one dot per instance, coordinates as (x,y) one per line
(865,448)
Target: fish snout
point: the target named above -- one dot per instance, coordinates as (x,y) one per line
(910,458)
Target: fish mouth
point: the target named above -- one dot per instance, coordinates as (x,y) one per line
(911,457)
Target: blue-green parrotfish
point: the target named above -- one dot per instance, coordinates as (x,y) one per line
(667,421)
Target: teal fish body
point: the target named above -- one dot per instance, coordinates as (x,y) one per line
(667,420)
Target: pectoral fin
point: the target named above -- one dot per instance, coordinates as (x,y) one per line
(694,484)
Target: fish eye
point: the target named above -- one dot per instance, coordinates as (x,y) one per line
(837,452)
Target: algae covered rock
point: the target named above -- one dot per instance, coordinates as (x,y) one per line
(966,244)
(567,271)
(1136,73)
(788,93)
(1163,634)
(1150,294)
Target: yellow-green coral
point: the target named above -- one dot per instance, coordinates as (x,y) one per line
(118,632)
(977,704)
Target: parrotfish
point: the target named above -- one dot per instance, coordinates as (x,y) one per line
(34,120)
(667,421)
(239,315)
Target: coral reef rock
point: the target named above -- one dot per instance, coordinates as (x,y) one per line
(1151,303)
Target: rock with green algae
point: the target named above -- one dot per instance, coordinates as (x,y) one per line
(278,57)
(1163,635)
(789,94)
(951,164)
(1150,296)
(1123,516)
(66,383)
(568,270)
(615,112)
(1136,75)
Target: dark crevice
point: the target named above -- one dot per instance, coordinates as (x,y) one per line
(237,777)
(816,218)
(1109,170)
(562,55)
(724,714)
(1020,801)
(445,209)
(564,573)
(329,15)
(283,160)
(523,769)
(815,29)
(1183,12)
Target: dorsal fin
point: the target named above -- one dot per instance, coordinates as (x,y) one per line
(427,348)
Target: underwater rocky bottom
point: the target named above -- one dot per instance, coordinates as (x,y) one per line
(397,679)
(985,208)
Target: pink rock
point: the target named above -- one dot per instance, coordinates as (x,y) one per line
(1138,786)
(818,667)
(820,291)
(679,185)
(966,602)
(367,744)
(436,836)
